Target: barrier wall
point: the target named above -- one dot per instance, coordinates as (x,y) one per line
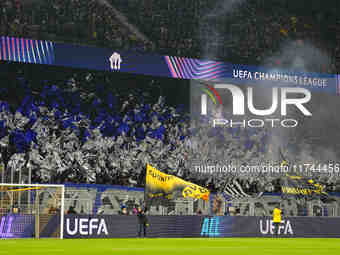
(110,226)
(117,226)
(83,226)
(23,226)
(319,227)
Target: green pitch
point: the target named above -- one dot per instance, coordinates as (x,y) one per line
(208,246)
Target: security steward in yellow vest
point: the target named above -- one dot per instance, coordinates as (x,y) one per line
(277,220)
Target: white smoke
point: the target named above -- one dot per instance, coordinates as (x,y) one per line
(212,24)
(315,136)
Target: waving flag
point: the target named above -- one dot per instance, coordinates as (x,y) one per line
(161,187)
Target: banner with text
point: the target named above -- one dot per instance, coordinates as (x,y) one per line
(111,226)
(115,60)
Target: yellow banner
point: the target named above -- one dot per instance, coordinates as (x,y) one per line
(298,185)
(159,184)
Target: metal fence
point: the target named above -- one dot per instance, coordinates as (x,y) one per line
(292,208)
(111,200)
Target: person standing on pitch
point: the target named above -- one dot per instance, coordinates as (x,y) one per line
(142,221)
(277,220)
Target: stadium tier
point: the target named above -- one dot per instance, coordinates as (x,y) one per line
(280,33)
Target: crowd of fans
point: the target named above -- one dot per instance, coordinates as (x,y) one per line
(77,129)
(94,136)
(86,22)
(94,128)
(246,32)
(275,33)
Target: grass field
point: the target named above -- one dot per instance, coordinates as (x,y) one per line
(198,246)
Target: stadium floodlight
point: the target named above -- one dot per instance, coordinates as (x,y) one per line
(31,210)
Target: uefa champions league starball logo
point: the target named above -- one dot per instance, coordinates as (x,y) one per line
(115,61)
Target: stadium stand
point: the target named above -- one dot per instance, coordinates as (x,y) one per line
(78,128)
(247,32)
(72,127)
(65,20)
